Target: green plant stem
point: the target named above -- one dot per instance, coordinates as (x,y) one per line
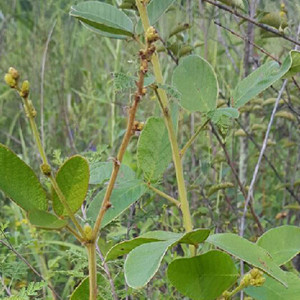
(187,220)
(164,195)
(45,161)
(228,295)
(118,160)
(65,204)
(192,139)
(76,235)
(91,251)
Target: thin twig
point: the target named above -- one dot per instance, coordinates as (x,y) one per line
(164,195)
(263,148)
(9,246)
(268,161)
(263,26)
(242,189)
(107,272)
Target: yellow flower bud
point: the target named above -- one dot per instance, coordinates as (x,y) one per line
(46,169)
(14,73)
(88,231)
(24,89)
(151,35)
(10,80)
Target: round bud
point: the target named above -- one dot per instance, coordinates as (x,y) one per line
(14,73)
(10,80)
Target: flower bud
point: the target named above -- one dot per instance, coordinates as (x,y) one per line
(24,89)
(88,231)
(46,169)
(151,35)
(10,80)
(14,73)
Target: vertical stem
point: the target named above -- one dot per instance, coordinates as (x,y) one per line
(187,221)
(91,251)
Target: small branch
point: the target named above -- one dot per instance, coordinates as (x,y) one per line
(242,189)
(192,139)
(263,26)
(11,248)
(106,269)
(164,195)
(264,146)
(247,41)
(117,163)
(269,162)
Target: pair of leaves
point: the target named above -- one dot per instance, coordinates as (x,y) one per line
(73,180)
(264,77)
(147,251)
(19,182)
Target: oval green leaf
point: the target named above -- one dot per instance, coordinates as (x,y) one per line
(73,180)
(19,182)
(196,80)
(154,151)
(103,18)
(283,243)
(203,277)
(249,252)
(143,262)
(45,220)
(263,77)
(194,237)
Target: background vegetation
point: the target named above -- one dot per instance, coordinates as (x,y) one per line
(81,110)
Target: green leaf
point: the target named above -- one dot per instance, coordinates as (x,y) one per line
(273,290)
(103,18)
(196,80)
(19,182)
(82,290)
(194,237)
(154,152)
(73,180)
(203,277)
(122,197)
(283,243)
(248,252)
(219,113)
(155,10)
(295,67)
(263,77)
(45,220)
(101,171)
(143,262)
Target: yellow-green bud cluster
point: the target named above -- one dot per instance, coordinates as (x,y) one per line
(46,169)
(253,278)
(24,92)
(11,77)
(151,35)
(88,231)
